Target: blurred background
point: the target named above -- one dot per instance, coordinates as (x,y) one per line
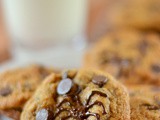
(28,34)
(58,33)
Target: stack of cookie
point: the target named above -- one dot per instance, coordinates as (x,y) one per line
(133,57)
(131,53)
(71,95)
(37,93)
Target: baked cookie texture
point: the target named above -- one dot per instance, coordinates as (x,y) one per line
(78,95)
(17,86)
(144,102)
(132,57)
(139,14)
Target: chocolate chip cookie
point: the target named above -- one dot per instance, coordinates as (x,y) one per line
(139,14)
(17,86)
(145,102)
(78,95)
(131,56)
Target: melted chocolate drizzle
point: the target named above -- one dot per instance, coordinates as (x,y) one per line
(95,92)
(77,110)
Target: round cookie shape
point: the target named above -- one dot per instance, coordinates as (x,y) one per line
(87,101)
(17,86)
(132,57)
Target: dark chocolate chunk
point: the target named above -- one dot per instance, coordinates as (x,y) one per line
(5,91)
(151,107)
(64,86)
(44,115)
(99,80)
(43,72)
(143,45)
(74,90)
(156,68)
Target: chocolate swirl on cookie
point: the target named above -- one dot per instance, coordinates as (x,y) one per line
(76,109)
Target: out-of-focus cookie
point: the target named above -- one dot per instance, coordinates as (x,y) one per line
(131,56)
(139,14)
(145,102)
(78,95)
(17,86)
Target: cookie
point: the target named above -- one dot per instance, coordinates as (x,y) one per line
(132,57)
(17,86)
(79,95)
(145,102)
(137,14)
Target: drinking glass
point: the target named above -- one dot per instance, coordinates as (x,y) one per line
(46,31)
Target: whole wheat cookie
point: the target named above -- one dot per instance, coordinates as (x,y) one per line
(131,56)
(17,86)
(145,102)
(78,95)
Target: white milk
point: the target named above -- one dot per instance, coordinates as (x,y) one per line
(41,22)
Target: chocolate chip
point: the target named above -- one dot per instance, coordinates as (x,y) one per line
(99,80)
(64,86)
(44,115)
(143,47)
(43,72)
(156,68)
(5,91)
(18,109)
(74,90)
(151,107)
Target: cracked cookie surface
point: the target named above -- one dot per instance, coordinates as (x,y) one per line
(79,95)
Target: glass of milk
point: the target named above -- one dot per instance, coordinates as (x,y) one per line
(45,22)
(41,24)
